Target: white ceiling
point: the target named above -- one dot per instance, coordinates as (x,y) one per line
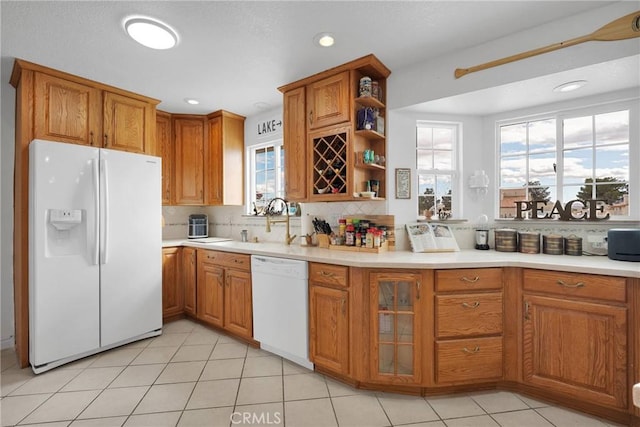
(234,54)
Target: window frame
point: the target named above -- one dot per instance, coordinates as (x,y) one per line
(632,105)
(250,154)
(453,174)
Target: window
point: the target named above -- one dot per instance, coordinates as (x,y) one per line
(568,156)
(436,145)
(266,174)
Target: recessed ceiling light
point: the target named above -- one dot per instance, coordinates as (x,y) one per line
(324,39)
(191,101)
(570,86)
(150,32)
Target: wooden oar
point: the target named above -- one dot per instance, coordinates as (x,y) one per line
(626,27)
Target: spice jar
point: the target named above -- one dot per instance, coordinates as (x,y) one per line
(350,235)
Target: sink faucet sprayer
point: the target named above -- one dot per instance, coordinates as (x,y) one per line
(268,214)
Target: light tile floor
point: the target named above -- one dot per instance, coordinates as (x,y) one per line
(193,376)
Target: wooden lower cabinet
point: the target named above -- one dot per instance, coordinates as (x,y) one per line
(396,327)
(576,348)
(224,293)
(238,317)
(188,274)
(172,290)
(468,360)
(329,328)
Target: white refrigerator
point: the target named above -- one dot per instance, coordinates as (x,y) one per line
(95,251)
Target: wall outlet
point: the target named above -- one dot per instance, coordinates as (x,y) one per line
(597,242)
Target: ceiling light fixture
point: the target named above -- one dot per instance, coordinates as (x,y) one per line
(324,39)
(570,86)
(150,32)
(191,101)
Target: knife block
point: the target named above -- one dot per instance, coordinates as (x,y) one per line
(323,240)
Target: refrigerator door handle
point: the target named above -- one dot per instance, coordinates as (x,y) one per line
(96,204)
(105,210)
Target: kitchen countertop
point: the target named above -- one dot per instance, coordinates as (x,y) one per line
(466,258)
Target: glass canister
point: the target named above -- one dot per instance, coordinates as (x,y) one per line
(365,86)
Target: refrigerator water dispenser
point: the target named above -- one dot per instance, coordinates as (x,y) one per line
(65,232)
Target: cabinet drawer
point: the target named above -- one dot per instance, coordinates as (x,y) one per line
(468,279)
(337,275)
(468,360)
(576,285)
(225,259)
(468,314)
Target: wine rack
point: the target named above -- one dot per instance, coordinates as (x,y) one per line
(330,163)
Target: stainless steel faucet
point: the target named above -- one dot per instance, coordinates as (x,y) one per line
(268,214)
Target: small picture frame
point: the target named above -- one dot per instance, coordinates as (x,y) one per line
(403,183)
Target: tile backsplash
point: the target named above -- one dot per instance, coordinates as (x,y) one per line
(228,221)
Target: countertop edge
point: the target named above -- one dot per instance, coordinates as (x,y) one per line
(468,258)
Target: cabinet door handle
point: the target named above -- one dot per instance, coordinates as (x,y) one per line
(566,285)
(474,305)
(418,285)
(106,140)
(344,303)
(328,274)
(474,351)
(91,140)
(466,279)
(311,117)
(526,310)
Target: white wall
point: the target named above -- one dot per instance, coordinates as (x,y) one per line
(413,85)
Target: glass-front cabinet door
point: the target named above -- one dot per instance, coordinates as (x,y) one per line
(395,327)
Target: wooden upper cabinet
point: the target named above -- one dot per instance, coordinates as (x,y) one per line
(67,111)
(295,145)
(328,101)
(164,149)
(189,163)
(129,124)
(224,159)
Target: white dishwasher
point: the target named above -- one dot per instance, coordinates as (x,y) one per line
(280,307)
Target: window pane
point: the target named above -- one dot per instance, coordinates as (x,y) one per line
(426,194)
(443,138)
(613,161)
(513,171)
(542,168)
(508,199)
(424,159)
(424,137)
(261,160)
(270,158)
(578,132)
(612,128)
(513,139)
(542,136)
(578,166)
(442,160)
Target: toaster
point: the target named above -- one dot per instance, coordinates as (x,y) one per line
(624,244)
(198,226)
